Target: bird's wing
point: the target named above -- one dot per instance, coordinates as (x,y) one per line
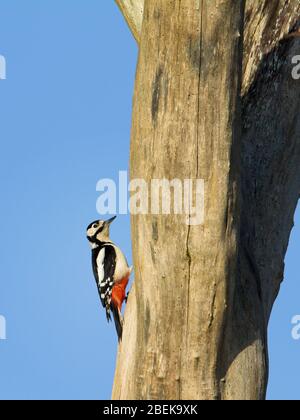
(105,267)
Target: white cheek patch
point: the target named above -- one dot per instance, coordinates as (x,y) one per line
(90,232)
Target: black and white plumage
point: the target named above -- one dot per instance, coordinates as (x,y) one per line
(104,263)
(111,270)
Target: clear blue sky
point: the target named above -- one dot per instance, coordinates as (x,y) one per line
(65,123)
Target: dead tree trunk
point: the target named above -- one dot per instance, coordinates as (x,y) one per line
(196,321)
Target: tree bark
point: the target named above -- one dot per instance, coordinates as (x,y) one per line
(133,11)
(196,320)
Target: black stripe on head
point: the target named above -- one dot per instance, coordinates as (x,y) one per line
(93,239)
(98,231)
(91,225)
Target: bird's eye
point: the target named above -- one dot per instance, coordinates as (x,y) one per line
(95,226)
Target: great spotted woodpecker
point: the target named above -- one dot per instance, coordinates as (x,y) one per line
(110,269)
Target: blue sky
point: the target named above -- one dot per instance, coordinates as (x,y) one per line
(65,123)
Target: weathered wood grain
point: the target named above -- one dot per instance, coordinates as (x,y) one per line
(196,321)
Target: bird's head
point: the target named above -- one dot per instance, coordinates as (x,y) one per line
(98,231)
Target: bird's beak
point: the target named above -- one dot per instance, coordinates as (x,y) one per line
(109,221)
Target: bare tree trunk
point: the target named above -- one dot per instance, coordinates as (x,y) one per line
(133,12)
(196,321)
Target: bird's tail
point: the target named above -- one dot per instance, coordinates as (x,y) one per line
(118,320)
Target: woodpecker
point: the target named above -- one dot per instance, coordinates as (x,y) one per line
(111,270)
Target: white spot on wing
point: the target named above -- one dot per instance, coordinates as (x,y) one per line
(104,282)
